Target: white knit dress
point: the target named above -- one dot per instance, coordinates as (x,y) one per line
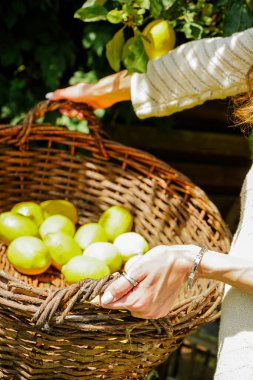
(189,75)
(235,356)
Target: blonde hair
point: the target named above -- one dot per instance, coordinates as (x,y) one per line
(243,106)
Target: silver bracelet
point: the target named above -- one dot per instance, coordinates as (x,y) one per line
(198,258)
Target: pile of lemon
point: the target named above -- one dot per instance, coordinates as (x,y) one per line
(40,235)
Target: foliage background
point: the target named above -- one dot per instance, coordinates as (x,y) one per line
(44,47)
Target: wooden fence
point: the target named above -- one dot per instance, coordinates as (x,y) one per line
(203,145)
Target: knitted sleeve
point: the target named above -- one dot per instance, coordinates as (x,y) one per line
(211,68)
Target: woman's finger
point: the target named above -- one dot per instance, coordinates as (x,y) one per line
(138,303)
(138,315)
(70,113)
(61,93)
(75,93)
(137,299)
(116,291)
(123,285)
(147,315)
(73,113)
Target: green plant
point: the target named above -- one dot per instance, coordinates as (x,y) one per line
(43,47)
(35,50)
(190,19)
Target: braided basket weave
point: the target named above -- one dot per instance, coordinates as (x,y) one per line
(48,330)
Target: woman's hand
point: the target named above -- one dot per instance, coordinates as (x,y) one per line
(160,273)
(103,94)
(164,269)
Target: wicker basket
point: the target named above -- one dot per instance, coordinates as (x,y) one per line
(48,330)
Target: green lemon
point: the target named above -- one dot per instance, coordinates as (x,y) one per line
(81,267)
(116,220)
(31,210)
(62,247)
(56,223)
(59,206)
(29,255)
(90,233)
(131,244)
(106,252)
(13,225)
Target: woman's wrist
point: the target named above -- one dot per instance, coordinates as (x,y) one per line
(207,266)
(116,87)
(186,258)
(212,265)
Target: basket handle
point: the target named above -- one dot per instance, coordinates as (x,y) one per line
(46,106)
(61,301)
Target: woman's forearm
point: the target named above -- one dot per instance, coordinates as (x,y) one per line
(228,269)
(118,86)
(197,71)
(102,94)
(211,68)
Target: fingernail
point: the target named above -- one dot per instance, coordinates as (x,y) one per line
(106,298)
(49,95)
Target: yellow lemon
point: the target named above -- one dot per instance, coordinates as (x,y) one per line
(160,38)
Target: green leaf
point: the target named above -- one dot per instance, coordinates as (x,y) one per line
(11,56)
(192,30)
(207,10)
(237,17)
(73,124)
(53,59)
(93,13)
(114,49)
(89,3)
(127,9)
(5,112)
(143,3)
(114,16)
(82,126)
(99,112)
(134,56)
(250,4)
(168,3)
(221,3)
(138,19)
(17,119)
(96,37)
(81,76)
(156,8)
(152,375)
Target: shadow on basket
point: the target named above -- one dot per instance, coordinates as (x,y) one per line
(49,329)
